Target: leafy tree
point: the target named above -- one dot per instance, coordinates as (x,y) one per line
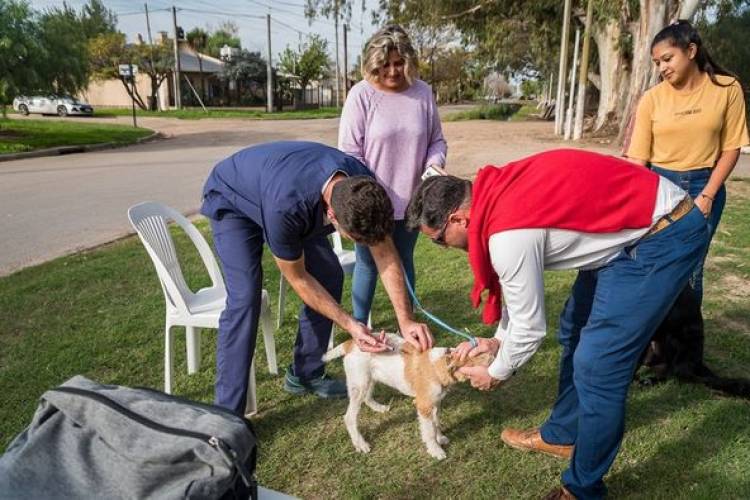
(106,52)
(531,88)
(19,51)
(97,19)
(225,34)
(310,63)
(64,65)
(245,69)
(728,40)
(197,38)
(156,61)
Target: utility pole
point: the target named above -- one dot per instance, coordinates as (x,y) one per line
(583,73)
(346,64)
(572,93)
(338,74)
(148,24)
(132,86)
(560,102)
(151,49)
(177,76)
(269,72)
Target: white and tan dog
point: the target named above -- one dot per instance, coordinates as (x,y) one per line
(425,376)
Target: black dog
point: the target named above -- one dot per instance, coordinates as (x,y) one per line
(676,350)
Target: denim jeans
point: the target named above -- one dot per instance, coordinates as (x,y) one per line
(693,181)
(239,243)
(606,323)
(366,272)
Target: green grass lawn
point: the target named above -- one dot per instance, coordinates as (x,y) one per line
(500,112)
(101,314)
(28,135)
(247,114)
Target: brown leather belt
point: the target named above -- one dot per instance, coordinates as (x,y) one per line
(682,209)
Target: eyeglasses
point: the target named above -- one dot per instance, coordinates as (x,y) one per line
(439,238)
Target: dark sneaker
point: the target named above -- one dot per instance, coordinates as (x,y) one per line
(323,387)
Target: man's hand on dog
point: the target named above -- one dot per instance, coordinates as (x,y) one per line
(417,334)
(368,342)
(464,349)
(478,375)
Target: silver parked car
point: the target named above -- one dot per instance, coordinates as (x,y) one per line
(52,105)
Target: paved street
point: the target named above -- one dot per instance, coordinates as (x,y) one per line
(54,206)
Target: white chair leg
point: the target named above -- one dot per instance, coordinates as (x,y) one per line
(251,406)
(193,341)
(282,298)
(168,359)
(266,324)
(333,334)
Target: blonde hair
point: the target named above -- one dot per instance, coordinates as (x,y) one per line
(391,37)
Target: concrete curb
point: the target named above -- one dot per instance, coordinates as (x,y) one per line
(83,148)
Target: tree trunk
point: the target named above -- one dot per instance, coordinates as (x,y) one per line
(133,95)
(654,15)
(614,73)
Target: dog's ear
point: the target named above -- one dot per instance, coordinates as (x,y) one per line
(484,359)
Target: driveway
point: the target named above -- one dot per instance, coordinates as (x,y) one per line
(55,206)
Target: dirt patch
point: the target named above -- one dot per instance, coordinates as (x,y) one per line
(734,288)
(739,188)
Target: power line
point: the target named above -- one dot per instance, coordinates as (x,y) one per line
(220,14)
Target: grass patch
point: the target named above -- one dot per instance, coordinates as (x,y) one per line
(500,112)
(28,135)
(527,112)
(101,314)
(238,113)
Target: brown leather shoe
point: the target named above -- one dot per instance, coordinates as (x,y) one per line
(531,440)
(559,493)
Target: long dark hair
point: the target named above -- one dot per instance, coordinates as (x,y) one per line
(681,34)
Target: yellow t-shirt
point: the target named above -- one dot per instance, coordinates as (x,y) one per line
(689,130)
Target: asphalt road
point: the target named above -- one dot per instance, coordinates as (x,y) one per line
(55,206)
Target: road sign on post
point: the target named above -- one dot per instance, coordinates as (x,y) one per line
(128,72)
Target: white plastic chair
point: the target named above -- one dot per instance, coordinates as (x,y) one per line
(183,307)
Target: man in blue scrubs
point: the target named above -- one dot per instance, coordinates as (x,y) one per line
(290,195)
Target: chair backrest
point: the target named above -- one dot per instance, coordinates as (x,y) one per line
(338,247)
(150,219)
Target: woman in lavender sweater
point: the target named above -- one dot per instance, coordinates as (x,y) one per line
(390,123)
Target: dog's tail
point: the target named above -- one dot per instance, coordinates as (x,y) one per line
(340,350)
(738,387)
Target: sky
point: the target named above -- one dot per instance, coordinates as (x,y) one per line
(288,21)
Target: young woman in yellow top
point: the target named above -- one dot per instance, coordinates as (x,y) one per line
(690,127)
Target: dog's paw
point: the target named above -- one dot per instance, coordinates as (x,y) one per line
(436,452)
(361,446)
(442,440)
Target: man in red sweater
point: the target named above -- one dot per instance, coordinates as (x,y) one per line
(634,237)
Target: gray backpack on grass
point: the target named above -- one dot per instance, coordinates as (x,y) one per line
(88,440)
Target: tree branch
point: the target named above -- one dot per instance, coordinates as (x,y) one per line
(464,13)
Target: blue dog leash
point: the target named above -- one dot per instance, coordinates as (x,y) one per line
(434,318)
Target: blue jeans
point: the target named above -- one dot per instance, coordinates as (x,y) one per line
(239,243)
(606,323)
(693,181)
(366,272)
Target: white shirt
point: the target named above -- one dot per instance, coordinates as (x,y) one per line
(520,256)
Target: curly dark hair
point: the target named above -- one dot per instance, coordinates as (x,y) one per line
(435,199)
(363,209)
